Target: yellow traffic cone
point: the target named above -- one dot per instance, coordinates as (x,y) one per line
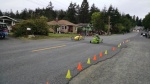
(68,76)
(106,52)
(119,45)
(88,62)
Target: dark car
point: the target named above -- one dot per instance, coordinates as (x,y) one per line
(3,30)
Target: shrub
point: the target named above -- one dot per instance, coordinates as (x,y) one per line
(38,27)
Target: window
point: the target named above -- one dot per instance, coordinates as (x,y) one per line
(62,27)
(65,27)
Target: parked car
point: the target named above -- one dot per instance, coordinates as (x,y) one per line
(3,30)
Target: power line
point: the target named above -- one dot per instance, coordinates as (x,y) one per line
(36,3)
(42,2)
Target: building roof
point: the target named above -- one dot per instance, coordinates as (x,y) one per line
(52,23)
(1,17)
(60,22)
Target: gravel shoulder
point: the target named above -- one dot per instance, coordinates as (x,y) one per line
(130,66)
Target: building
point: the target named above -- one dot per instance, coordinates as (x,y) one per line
(9,21)
(62,26)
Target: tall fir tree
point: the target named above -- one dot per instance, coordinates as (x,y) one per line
(24,14)
(77,13)
(71,13)
(93,9)
(146,21)
(61,14)
(17,15)
(12,15)
(84,12)
(137,20)
(1,14)
(49,12)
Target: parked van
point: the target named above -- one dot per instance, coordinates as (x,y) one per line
(3,30)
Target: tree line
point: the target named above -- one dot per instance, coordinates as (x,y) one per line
(82,14)
(146,22)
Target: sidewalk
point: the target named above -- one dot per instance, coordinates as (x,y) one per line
(130,66)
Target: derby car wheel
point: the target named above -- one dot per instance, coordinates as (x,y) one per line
(72,38)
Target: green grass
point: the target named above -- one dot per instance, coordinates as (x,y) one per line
(53,36)
(50,36)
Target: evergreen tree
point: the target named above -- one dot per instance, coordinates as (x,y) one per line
(71,12)
(61,14)
(137,20)
(6,13)
(24,14)
(146,21)
(77,13)
(126,22)
(1,14)
(12,15)
(104,15)
(49,12)
(17,15)
(134,18)
(93,9)
(84,12)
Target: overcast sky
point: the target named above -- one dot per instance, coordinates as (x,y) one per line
(133,7)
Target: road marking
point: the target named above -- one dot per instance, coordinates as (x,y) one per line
(48,48)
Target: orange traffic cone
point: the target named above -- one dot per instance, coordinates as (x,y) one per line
(79,66)
(47,82)
(113,48)
(94,58)
(101,54)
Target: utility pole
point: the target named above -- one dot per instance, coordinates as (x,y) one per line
(108,25)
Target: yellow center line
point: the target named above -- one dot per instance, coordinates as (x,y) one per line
(48,48)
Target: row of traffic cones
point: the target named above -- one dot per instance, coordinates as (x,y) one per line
(79,67)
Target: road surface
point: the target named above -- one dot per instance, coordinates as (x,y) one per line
(41,61)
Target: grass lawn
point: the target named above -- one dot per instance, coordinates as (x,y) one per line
(50,36)
(54,36)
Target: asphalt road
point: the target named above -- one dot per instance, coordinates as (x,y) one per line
(130,66)
(39,61)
